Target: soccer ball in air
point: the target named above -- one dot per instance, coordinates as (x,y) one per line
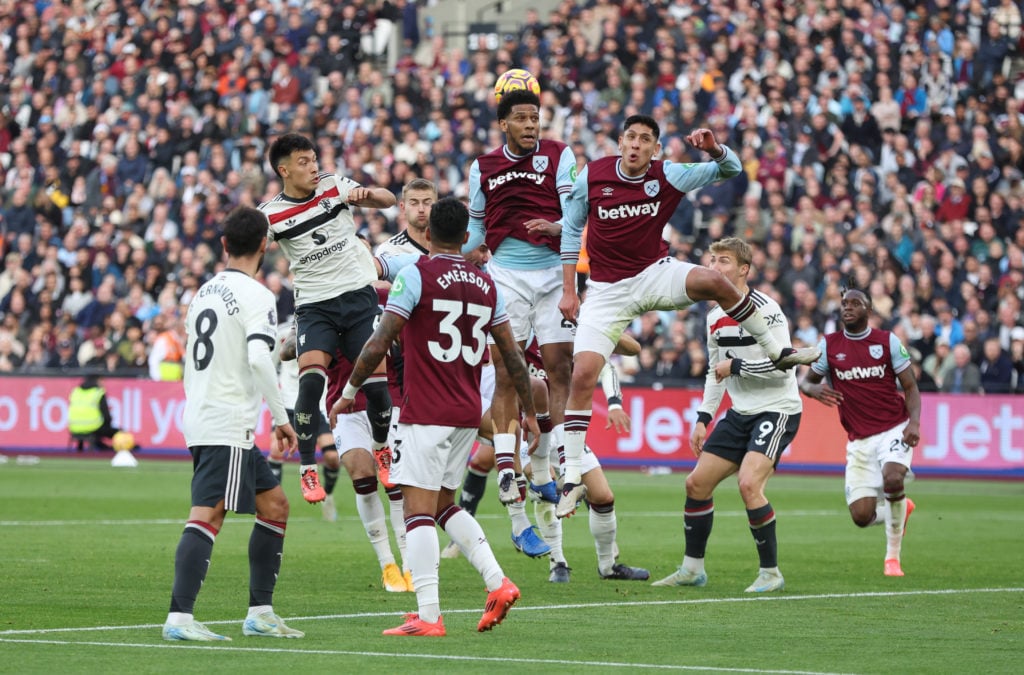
(513,79)
(123,440)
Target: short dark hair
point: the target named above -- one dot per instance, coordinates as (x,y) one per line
(449,220)
(850,288)
(645,120)
(514,98)
(245,228)
(285,145)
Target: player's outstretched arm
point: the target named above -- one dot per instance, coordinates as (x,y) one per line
(388,266)
(515,364)
(374,197)
(813,384)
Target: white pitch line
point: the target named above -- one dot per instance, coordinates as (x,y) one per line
(445,657)
(542,608)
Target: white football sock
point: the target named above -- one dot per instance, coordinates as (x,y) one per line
(895,517)
(517,514)
(602,526)
(395,510)
(466,532)
(550,528)
(371,513)
(574,444)
(424,559)
(693,564)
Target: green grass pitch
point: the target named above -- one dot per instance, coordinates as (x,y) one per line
(87,563)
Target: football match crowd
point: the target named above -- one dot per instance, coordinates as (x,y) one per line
(882,148)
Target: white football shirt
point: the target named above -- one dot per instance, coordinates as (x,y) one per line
(318,236)
(400,244)
(222,401)
(759,386)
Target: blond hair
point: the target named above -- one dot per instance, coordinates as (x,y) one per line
(417,184)
(739,248)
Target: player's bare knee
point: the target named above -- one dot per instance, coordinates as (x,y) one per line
(600,495)
(696,488)
(274,506)
(331,460)
(892,484)
(703,283)
(751,490)
(862,514)
(359,464)
(584,378)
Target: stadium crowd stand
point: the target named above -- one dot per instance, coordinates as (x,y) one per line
(882,147)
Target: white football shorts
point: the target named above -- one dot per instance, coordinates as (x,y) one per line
(531,301)
(486,387)
(610,306)
(353,431)
(865,458)
(430,456)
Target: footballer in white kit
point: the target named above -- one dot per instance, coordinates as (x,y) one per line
(335,303)
(223,394)
(229,370)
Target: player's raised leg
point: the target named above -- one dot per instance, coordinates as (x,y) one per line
(703,283)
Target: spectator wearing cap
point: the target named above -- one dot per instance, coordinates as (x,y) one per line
(64,357)
(956,203)
(948,325)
